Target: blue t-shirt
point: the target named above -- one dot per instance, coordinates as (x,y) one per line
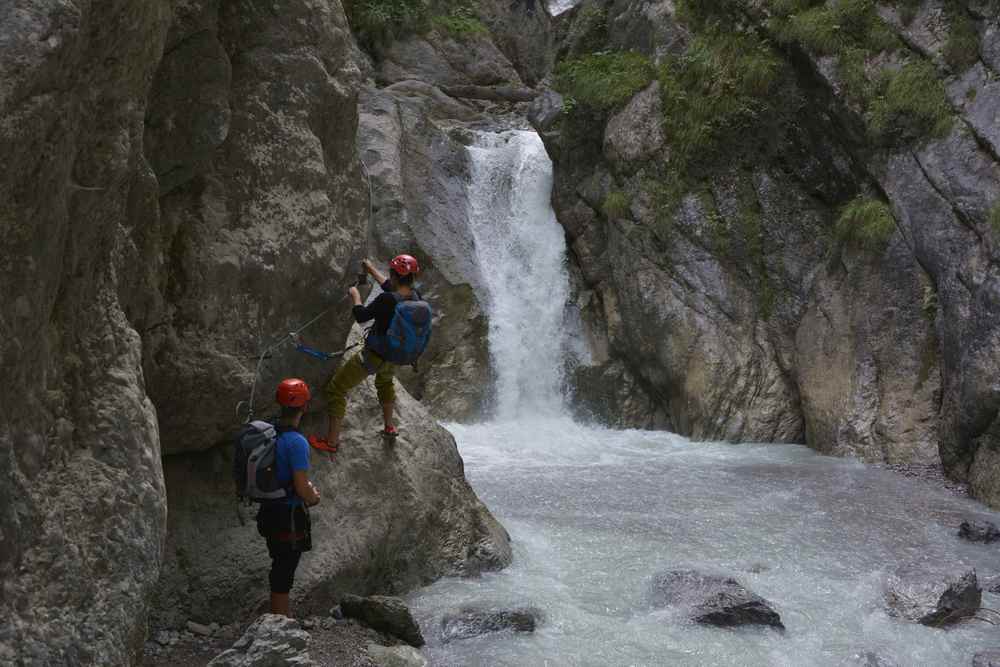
(292,455)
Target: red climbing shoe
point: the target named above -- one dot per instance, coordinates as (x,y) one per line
(389,434)
(322,445)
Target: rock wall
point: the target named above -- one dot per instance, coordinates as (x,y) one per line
(181,187)
(82,504)
(741,305)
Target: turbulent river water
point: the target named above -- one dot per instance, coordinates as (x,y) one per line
(594,514)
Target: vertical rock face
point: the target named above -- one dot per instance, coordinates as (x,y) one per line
(732,288)
(262,206)
(180,188)
(82,505)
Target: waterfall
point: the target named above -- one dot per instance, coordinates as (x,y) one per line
(521,252)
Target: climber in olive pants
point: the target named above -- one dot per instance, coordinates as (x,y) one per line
(349,376)
(402,271)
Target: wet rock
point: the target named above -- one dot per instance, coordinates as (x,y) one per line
(545,110)
(988,658)
(385,614)
(396,656)
(979,531)
(474,621)
(713,600)
(271,641)
(932,595)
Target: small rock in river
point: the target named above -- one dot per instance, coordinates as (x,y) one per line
(933,595)
(476,621)
(714,600)
(979,531)
(385,614)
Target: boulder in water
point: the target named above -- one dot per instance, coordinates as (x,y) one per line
(935,597)
(987,658)
(385,614)
(979,531)
(714,600)
(270,641)
(475,621)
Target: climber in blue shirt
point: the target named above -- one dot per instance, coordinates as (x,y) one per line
(285,523)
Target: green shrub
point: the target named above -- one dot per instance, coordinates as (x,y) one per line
(866,222)
(616,205)
(829,28)
(961,51)
(461,22)
(604,80)
(378,22)
(910,104)
(719,90)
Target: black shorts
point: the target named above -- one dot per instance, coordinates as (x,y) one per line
(288,532)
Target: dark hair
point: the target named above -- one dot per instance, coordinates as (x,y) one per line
(402,280)
(289,412)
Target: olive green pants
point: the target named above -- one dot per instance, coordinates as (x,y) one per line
(352,373)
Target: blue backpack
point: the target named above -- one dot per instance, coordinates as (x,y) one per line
(408,333)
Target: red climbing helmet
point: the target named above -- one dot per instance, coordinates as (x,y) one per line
(293,393)
(404,265)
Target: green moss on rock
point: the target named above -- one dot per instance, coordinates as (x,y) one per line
(604,80)
(866,222)
(461,22)
(961,51)
(616,205)
(378,22)
(717,94)
(911,104)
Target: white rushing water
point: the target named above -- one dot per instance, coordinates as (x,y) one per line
(594,514)
(521,252)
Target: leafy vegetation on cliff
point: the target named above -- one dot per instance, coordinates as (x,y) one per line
(460,22)
(911,104)
(866,222)
(616,204)
(961,51)
(376,23)
(604,80)
(717,94)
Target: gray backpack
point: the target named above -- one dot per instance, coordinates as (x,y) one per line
(255,463)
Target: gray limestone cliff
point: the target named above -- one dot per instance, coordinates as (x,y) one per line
(181,187)
(789,235)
